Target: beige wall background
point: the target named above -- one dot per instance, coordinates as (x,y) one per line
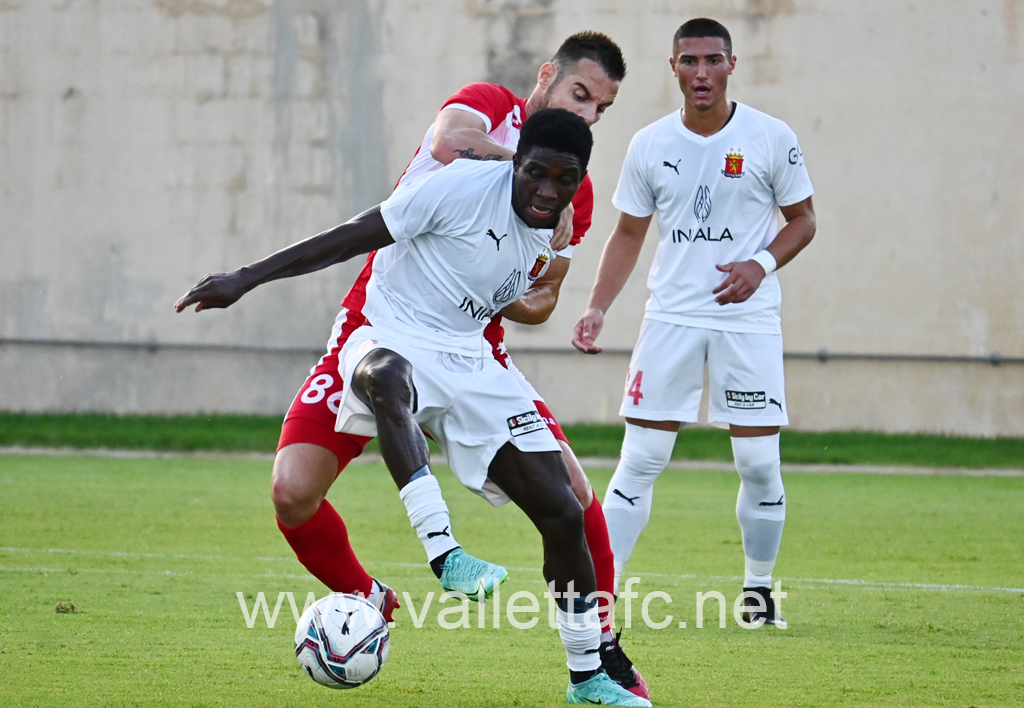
(143,144)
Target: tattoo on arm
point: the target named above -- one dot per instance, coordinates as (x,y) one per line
(470,154)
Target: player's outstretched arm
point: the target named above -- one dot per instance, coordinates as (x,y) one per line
(744,277)
(360,235)
(617,262)
(537,303)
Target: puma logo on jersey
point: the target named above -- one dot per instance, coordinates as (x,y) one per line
(775,403)
(497,240)
(675,167)
(442,532)
(775,503)
(631,500)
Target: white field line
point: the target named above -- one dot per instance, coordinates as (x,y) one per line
(587,462)
(852,583)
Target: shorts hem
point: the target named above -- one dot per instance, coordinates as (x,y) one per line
(660,416)
(298,429)
(750,423)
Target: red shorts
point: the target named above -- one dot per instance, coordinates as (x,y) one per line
(311,417)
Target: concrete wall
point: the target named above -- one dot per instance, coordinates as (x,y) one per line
(145,143)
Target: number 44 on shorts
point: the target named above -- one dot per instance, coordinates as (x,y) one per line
(633,389)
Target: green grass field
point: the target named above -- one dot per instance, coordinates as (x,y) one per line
(902,591)
(259,434)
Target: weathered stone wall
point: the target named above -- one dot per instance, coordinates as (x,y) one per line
(145,143)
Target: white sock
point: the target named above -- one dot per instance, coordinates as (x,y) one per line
(428,514)
(760,506)
(627,503)
(581,636)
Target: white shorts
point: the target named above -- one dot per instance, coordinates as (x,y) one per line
(527,387)
(666,376)
(470,406)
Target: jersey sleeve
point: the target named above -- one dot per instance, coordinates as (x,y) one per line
(489,101)
(417,208)
(790,180)
(634,195)
(583,212)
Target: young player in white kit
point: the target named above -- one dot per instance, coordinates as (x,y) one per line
(467,240)
(714,173)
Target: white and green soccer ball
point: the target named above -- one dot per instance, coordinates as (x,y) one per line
(342,641)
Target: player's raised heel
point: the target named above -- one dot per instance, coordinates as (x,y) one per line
(770,615)
(620,669)
(464,573)
(601,690)
(385,600)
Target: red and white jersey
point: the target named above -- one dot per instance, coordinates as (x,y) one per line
(503,114)
(501,111)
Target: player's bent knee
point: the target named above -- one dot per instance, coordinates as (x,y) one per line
(577,477)
(303,473)
(562,524)
(383,379)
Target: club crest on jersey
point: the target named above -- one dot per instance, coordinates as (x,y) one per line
(733,163)
(539,266)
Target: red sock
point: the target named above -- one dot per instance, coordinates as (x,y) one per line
(321,545)
(596,530)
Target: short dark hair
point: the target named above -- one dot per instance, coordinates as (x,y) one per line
(595,46)
(703,27)
(557,129)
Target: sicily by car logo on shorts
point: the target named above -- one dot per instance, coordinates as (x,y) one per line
(524,423)
(745,399)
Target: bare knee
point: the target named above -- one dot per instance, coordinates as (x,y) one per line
(303,473)
(577,477)
(564,524)
(383,380)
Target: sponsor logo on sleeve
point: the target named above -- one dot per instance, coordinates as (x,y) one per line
(524,423)
(733,163)
(796,157)
(745,399)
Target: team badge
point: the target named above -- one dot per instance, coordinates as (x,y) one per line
(539,266)
(733,163)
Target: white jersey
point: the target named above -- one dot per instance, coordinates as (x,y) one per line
(460,255)
(715,199)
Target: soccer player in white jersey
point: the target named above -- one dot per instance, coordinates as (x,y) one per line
(466,241)
(714,173)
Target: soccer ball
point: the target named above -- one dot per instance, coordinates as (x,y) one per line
(342,641)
